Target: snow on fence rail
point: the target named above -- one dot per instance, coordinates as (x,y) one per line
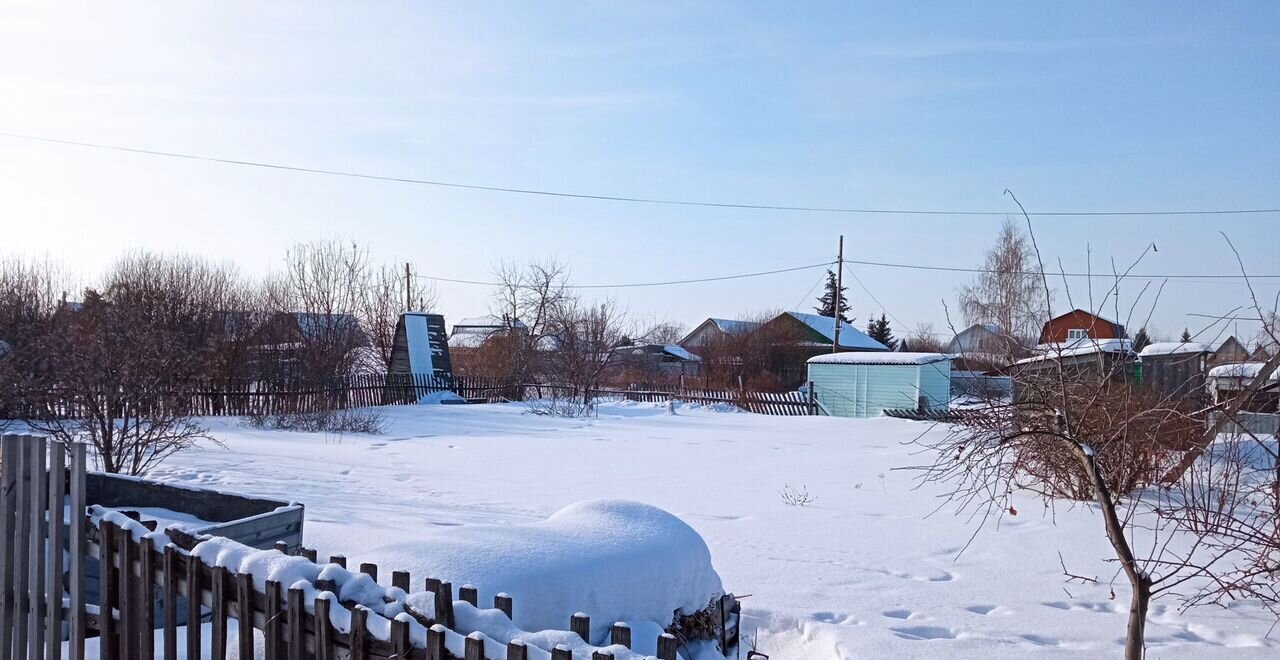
(303,609)
(764,403)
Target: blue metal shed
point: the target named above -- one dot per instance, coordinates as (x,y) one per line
(867,384)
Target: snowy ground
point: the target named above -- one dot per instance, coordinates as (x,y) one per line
(862,572)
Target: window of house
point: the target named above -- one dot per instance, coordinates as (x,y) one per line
(1076,333)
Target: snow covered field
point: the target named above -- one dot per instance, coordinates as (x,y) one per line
(862,572)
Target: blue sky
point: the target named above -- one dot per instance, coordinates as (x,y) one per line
(933,105)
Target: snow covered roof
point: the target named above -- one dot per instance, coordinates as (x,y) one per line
(850,337)
(670,349)
(1086,346)
(879,358)
(1247,370)
(313,324)
(487,322)
(732,326)
(1174,347)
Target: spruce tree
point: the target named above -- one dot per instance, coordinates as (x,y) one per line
(1141,340)
(1186,335)
(879,330)
(827,301)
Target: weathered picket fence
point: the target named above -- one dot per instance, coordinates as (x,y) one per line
(249,397)
(763,403)
(142,589)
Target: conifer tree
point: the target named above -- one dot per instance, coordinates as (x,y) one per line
(1141,340)
(879,330)
(827,301)
(1186,335)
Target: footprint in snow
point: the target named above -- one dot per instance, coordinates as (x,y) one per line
(924,633)
(899,614)
(985,610)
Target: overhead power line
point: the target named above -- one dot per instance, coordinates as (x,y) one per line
(620,198)
(1105,276)
(630,285)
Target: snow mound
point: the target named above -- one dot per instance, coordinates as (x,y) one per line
(441,397)
(611,559)
(1174,348)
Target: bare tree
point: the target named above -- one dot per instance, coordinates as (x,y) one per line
(1009,293)
(580,345)
(116,366)
(1078,428)
(923,339)
(318,299)
(531,298)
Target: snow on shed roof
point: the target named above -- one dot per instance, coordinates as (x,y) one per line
(1174,347)
(879,358)
(1241,370)
(488,321)
(1085,346)
(850,337)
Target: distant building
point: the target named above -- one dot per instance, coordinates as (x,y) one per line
(1260,354)
(470,333)
(1175,370)
(865,384)
(1230,352)
(1085,360)
(818,332)
(646,363)
(977,338)
(1077,325)
(711,330)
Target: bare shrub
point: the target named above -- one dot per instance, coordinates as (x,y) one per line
(796,496)
(352,420)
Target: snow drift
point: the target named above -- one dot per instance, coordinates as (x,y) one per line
(611,559)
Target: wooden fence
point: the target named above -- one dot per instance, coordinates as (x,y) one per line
(239,397)
(143,588)
(763,403)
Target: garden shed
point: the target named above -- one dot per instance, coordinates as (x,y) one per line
(867,384)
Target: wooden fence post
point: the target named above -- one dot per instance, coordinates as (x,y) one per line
(359,633)
(170,602)
(503,602)
(580,624)
(667,646)
(474,648)
(77,548)
(273,627)
(107,586)
(9,463)
(35,581)
(435,643)
(620,633)
(444,604)
(193,606)
(53,575)
(516,650)
(400,639)
(218,626)
(561,652)
(370,569)
(324,630)
(469,594)
(244,621)
(297,626)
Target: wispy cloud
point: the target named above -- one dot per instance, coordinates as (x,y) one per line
(936,48)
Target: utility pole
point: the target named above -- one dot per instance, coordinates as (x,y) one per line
(835,344)
(408,288)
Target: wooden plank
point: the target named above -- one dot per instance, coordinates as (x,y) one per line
(359,639)
(400,580)
(297,631)
(146,601)
(245,607)
(580,625)
(444,604)
(474,647)
(170,603)
(107,585)
(435,643)
(8,519)
(324,630)
(57,487)
(77,549)
(273,628)
(194,614)
(503,603)
(620,633)
(667,644)
(218,602)
(127,592)
(35,581)
(400,645)
(21,549)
